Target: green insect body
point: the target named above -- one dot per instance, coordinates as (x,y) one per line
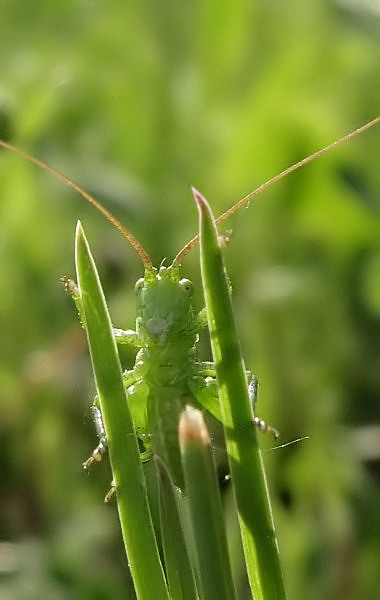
(166,364)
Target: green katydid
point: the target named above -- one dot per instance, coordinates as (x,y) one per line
(168,374)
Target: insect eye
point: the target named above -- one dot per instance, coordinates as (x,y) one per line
(139,285)
(187,286)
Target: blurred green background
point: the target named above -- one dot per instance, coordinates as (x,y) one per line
(138,100)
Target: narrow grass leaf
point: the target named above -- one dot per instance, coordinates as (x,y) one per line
(205,507)
(255,517)
(135,518)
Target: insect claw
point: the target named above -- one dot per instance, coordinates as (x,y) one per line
(111,492)
(273,431)
(87,463)
(95,457)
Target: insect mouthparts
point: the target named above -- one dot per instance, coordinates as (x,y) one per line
(157,326)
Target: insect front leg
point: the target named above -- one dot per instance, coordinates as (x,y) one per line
(207,395)
(252,393)
(122,336)
(135,399)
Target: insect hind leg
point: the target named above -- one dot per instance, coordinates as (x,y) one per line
(101,448)
(259,423)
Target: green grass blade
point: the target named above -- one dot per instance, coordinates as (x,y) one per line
(255,517)
(205,507)
(180,576)
(135,518)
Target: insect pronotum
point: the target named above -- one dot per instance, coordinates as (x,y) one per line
(167,374)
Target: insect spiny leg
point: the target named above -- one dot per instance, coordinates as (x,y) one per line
(259,423)
(101,448)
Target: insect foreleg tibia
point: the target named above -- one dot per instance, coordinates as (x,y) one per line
(101,448)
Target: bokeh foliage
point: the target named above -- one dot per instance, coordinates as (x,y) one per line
(137,101)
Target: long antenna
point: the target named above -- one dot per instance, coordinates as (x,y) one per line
(115,222)
(249,197)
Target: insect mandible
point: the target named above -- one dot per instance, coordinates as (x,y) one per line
(167,374)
